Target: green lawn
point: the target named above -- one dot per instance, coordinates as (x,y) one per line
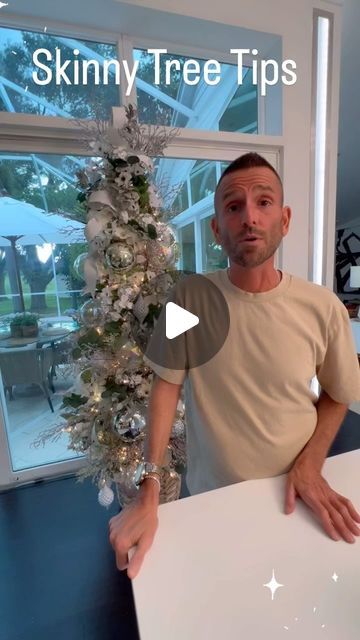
(6,304)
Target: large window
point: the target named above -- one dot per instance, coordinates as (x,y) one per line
(213,255)
(39,159)
(19,93)
(226,106)
(187,243)
(190,188)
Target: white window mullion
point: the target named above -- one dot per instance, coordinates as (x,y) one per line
(125,52)
(198,246)
(320,153)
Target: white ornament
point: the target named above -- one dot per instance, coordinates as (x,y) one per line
(105,496)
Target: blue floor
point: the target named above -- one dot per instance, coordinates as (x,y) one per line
(58,574)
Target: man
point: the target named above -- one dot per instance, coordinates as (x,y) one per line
(250,411)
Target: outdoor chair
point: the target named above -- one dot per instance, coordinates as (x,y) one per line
(27,366)
(62,351)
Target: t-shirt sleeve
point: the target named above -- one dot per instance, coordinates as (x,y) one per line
(339,372)
(176,376)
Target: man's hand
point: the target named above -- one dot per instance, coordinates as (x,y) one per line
(135,525)
(336,513)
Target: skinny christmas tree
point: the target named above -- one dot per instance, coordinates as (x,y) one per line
(129,245)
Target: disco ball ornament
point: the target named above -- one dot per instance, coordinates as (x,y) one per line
(137,423)
(119,257)
(92,313)
(79,263)
(129,427)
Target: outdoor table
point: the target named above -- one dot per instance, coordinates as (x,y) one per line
(214,553)
(42,338)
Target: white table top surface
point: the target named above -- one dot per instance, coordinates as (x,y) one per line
(203,578)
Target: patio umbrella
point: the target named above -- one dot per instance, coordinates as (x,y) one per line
(23,223)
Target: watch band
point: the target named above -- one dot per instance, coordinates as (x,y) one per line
(151,467)
(145,470)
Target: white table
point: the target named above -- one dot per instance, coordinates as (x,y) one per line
(203,577)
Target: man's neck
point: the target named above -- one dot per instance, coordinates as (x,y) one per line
(254,280)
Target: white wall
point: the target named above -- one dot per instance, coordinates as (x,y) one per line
(348,205)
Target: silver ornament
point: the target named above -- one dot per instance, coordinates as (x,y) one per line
(127,426)
(140,309)
(125,483)
(105,496)
(92,313)
(119,257)
(79,265)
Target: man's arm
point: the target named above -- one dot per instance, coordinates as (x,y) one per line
(337,514)
(136,524)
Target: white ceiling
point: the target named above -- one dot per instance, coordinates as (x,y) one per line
(117,17)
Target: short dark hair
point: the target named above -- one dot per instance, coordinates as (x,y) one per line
(249,161)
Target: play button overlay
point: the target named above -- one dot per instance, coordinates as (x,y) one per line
(180,319)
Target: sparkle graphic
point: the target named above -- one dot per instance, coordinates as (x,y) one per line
(45,29)
(335,577)
(273,585)
(26,88)
(297,620)
(3,4)
(14,52)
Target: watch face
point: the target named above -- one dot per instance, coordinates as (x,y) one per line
(139,473)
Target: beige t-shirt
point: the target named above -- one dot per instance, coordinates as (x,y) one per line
(250,409)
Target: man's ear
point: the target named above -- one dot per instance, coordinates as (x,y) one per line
(215,228)
(286,217)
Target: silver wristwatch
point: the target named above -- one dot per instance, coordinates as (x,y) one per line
(145,469)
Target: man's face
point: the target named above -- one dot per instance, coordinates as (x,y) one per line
(249,202)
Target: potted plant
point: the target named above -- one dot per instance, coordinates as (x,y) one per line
(24,325)
(30,325)
(16,326)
